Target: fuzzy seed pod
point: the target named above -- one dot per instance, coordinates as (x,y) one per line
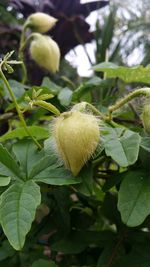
(45,52)
(77,136)
(41,22)
(146,118)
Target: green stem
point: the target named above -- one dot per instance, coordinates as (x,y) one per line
(24,69)
(96,111)
(89,107)
(143,91)
(21,55)
(23,43)
(18,109)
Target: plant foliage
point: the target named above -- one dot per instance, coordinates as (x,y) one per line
(48,216)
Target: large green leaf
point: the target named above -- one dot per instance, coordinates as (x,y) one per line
(8,166)
(44,263)
(17,211)
(132,74)
(42,165)
(134,198)
(49,169)
(27,155)
(53,175)
(37,131)
(122,145)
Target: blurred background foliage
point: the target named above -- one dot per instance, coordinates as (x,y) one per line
(71,29)
(115,31)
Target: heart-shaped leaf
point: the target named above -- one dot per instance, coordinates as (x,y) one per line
(17,211)
(122,145)
(134,198)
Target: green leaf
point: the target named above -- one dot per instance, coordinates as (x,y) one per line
(36,131)
(122,145)
(114,180)
(18,89)
(62,214)
(8,166)
(86,87)
(6,250)
(139,255)
(69,246)
(43,164)
(144,154)
(87,185)
(4,180)
(39,91)
(17,211)
(44,263)
(54,175)
(132,74)
(134,198)
(49,170)
(65,96)
(47,106)
(27,155)
(78,240)
(49,148)
(109,209)
(145,143)
(144,157)
(52,87)
(106,255)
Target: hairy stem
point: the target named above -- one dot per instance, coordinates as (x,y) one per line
(18,109)
(95,111)
(143,91)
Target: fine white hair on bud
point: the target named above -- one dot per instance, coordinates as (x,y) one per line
(41,22)
(45,52)
(146,118)
(77,136)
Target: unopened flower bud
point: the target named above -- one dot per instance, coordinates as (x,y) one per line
(146,118)
(45,52)
(41,22)
(77,136)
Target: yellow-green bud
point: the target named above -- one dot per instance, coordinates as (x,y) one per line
(45,52)
(41,22)
(146,118)
(77,136)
